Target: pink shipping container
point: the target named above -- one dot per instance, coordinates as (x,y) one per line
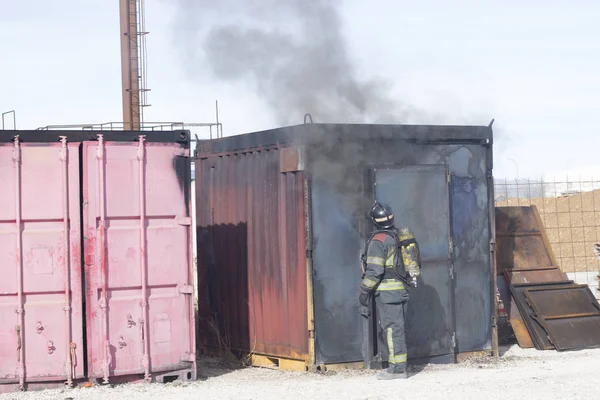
(130,194)
(41,319)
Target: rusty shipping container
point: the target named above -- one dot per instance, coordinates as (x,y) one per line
(96,250)
(281,223)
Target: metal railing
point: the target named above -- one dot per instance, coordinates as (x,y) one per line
(14,114)
(215,128)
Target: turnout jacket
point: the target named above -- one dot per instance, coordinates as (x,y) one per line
(380,275)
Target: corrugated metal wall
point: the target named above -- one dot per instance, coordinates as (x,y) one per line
(40,263)
(138,259)
(137,240)
(251,254)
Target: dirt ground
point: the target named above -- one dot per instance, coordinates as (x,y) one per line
(518,374)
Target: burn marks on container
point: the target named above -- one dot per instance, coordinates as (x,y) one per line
(183,171)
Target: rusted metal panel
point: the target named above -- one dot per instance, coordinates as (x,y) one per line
(252,254)
(138,266)
(517,325)
(520,240)
(536,330)
(536,275)
(525,276)
(570,315)
(291,159)
(41,336)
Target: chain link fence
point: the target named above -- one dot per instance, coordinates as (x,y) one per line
(570,212)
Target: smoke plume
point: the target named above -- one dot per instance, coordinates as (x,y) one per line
(292,53)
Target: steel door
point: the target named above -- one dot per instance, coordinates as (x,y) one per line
(420,199)
(336,277)
(137,249)
(41,334)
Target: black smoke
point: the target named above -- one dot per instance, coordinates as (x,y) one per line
(292,54)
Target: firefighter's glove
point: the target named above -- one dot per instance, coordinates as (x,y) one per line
(365,312)
(364,299)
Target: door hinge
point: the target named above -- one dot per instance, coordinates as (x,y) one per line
(186,289)
(454,340)
(185,221)
(309,254)
(450,245)
(448,177)
(452,272)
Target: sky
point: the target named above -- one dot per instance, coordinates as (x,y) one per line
(531,65)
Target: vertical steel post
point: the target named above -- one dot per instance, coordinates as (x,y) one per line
(20,306)
(143,270)
(65,188)
(102,235)
(312,360)
(492,235)
(217,114)
(192,244)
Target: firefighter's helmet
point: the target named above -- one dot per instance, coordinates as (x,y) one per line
(382,215)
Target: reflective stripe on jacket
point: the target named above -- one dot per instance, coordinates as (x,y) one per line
(380,275)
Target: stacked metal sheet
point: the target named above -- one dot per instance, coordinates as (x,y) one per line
(546,309)
(567,312)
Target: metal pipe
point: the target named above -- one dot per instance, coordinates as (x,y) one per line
(144,302)
(65,187)
(14,118)
(217,114)
(102,234)
(18,222)
(121,126)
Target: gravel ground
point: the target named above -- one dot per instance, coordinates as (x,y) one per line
(518,374)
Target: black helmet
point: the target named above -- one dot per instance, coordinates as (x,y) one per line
(382,215)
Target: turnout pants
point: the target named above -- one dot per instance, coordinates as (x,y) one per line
(392,340)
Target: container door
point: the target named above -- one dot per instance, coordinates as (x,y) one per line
(336,277)
(419,196)
(41,334)
(137,248)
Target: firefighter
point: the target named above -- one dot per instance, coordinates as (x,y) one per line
(385,280)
